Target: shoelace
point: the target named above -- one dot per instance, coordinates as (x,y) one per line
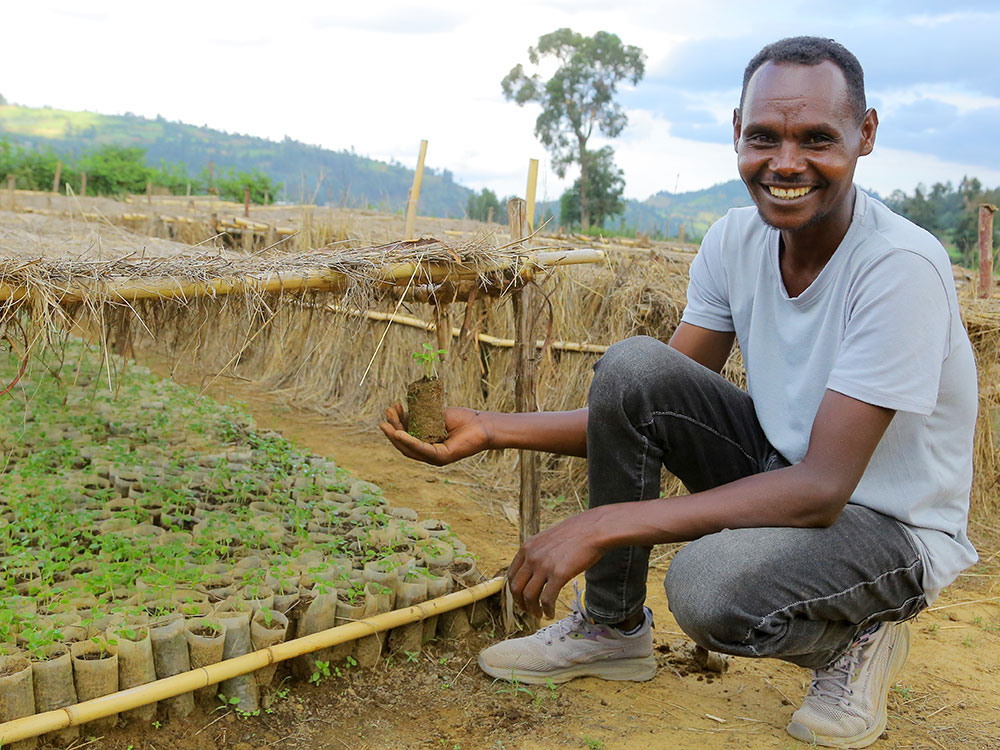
(575,621)
(832,685)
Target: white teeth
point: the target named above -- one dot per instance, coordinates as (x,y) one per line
(786,193)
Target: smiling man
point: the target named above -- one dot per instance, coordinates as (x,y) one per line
(828,503)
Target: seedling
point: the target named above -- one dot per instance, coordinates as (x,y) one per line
(428,357)
(322,672)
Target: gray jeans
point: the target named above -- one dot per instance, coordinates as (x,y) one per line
(801,595)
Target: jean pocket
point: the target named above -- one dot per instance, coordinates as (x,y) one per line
(775,460)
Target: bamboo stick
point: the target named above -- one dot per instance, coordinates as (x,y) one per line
(986,211)
(411,204)
(530,194)
(98,708)
(484,338)
(130,290)
(524,377)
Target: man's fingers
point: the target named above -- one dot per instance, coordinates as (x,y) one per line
(530,593)
(549,596)
(397,417)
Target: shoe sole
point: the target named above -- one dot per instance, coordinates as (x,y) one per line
(633,670)
(900,650)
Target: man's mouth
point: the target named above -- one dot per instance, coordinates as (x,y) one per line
(789,193)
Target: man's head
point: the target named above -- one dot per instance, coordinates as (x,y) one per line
(799,131)
(812,50)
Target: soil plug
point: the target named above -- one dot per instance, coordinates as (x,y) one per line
(425,399)
(437,585)
(412,590)
(95,673)
(383,572)
(237,643)
(17,695)
(206,638)
(320,614)
(710,661)
(135,666)
(54,688)
(170,657)
(350,608)
(267,629)
(378,600)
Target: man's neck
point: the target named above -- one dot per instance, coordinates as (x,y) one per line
(805,252)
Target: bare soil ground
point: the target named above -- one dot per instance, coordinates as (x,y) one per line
(947,697)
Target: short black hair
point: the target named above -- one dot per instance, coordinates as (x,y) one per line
(813,50)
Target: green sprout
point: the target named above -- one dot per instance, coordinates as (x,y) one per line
(429,358)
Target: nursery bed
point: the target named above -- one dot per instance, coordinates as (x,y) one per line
(146,530)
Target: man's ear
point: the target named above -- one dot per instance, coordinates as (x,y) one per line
(869,126)
(737,126)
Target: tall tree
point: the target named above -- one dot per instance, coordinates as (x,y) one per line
(606,182)
(578,98)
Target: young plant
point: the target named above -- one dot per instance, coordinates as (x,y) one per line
(429,357)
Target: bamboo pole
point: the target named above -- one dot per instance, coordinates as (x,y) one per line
(130,290)
(483,338)
(10,191)
(530,194)
(83,184)
(411,203)
(169,687)
(524,377)
(55,181)
(986,211)
(246,201)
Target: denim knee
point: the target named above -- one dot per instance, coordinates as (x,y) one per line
(629,369)
(704,595)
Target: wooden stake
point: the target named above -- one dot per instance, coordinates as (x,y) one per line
(489,215)
(530,194)
(524,386)
(246,201)
(55,182)
(10,191)
(149,193)
(411,203)
(211,175)
(83,184)
(986,211)
(680,234)
(188,193)
(266,196)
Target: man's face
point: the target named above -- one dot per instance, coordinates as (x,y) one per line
(798,141)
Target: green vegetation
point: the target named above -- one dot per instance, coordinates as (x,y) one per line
(149,498)
(307,173)
(576,100)
(117,170)
(480,205)
(951,214)
(606,183)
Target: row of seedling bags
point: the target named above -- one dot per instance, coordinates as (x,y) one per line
(58,660)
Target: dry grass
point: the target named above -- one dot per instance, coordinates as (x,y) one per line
(299,346)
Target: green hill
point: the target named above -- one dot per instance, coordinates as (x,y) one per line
(356,181)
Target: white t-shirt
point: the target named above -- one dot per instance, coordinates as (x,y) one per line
(880,324)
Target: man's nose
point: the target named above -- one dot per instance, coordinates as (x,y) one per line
(788,160)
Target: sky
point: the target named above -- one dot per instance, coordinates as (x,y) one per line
(379,76)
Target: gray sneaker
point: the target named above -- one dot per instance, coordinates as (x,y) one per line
(845,705)
(574,647)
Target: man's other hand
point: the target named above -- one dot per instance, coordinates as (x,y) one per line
(469,433)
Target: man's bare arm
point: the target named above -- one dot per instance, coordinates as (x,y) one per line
(811,493)
(564,433)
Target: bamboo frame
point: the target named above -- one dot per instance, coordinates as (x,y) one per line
(483,338)
(169,687)
(130,290)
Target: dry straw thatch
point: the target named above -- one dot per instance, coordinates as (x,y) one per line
(314,347)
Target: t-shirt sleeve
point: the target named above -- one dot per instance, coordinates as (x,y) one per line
(897,335)
(707,293)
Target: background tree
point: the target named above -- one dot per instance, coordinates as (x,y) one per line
(578,98)
(606,183)
(479,206)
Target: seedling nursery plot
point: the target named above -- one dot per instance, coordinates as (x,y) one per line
(146,530)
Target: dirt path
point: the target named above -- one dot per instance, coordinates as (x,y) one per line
(948,696)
